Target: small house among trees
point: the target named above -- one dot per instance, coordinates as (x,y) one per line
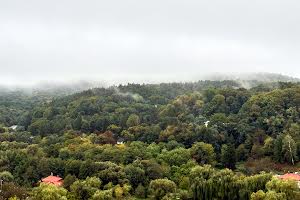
(55,180)
(291,176)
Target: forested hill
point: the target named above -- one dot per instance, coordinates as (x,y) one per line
(243,118)
(123,99)
(160,105)
(15,103)
(161,141)
(17,100)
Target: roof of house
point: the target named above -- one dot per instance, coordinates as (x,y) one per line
(56,180)
(290,176)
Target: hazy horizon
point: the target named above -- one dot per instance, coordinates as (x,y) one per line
(137,41)
(244,79)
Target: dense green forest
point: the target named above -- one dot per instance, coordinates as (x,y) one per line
(201,140)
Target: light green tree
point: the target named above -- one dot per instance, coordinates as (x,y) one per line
(103,195)
(84,189)
(268,146)
(49,192)
(203,153)
(133,120)
(288,187)
(6,176)
(269,195)
(160,187)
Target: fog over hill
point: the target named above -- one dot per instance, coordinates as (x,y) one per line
(263,77)
(143,100)
(246,80)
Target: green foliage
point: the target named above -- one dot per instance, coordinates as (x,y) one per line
(2,130)
(268,146)
(278,189)
(77,123)
(288,187)
(49,192)
(140,191)
(85,189)
(121,192)
(103,195)
(133,120)
(11,190)
(269,195)
(278,148)
(289,149)
(203,153)
(228,156)
(69,180)
(166,133)
(161,187)
(209,183)
(6,176)
(135,174)
(178,156)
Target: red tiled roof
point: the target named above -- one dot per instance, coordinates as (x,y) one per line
(290,176)
(56,180)
(51,179)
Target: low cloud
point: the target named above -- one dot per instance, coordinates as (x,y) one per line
(140,41)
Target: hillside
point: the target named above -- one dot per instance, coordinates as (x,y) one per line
(128,141)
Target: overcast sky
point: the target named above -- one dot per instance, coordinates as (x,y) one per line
(139,40)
